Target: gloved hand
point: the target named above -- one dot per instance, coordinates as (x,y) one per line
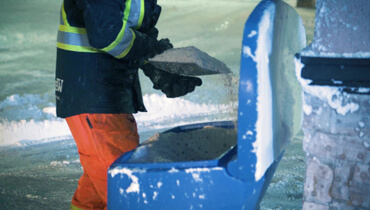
(173,85)
(147,47)
(153,32)
(153,46)
(156,47)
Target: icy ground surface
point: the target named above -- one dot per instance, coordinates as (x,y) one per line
(44,176)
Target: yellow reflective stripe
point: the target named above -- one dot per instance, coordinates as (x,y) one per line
(64,15)
(126,13)
(124,53)
(76,48)
(142,12)
(117,40)
(122,32)
(72,29)
(73,207)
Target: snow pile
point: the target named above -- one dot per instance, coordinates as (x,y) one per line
(166,112)
(31,118)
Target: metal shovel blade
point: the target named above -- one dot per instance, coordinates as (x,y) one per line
(189,61)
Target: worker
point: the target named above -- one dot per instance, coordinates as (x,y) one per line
(101,45)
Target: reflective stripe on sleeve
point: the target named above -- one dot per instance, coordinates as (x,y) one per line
(64,16)
(76,39)
(132,18)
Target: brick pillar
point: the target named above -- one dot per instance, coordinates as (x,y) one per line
(336,84)
(337,145)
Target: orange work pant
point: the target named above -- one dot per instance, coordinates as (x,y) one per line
(100,139)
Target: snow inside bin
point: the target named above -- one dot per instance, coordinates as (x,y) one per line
(170,171)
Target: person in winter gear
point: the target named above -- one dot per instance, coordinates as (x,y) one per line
(101,45)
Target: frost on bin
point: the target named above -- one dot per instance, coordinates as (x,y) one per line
(201,144)
(189,61)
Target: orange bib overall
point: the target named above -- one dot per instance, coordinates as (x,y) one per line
(100,139)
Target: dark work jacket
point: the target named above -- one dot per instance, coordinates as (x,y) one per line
(99,44)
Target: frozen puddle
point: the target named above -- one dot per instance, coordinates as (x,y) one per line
(206,143)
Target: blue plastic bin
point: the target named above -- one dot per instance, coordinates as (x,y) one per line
(268,117)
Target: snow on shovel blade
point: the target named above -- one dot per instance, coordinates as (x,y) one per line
(189,61)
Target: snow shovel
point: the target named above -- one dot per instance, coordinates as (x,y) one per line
(189,61)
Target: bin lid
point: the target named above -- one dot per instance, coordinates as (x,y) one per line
(270,106)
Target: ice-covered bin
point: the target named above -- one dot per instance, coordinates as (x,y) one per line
(214,165)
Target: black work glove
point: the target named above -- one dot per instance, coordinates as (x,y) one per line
(153,32)
(156,47)
(173,85)
(153,46)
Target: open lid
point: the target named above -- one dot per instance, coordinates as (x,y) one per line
(269,112)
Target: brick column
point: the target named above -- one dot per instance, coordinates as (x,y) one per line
(336,83)
(337,145)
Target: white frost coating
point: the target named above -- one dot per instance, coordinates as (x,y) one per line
(195,172)
(333,96)
(361,124)
(247,51)
(309,52)
(134,186)
(263,146)
(173,170)
(252,34)
(363,90)
(307,109)
(155,194)
(159,184)
(298,69)
(337,82)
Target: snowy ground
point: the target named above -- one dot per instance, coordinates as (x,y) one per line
(44,176)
